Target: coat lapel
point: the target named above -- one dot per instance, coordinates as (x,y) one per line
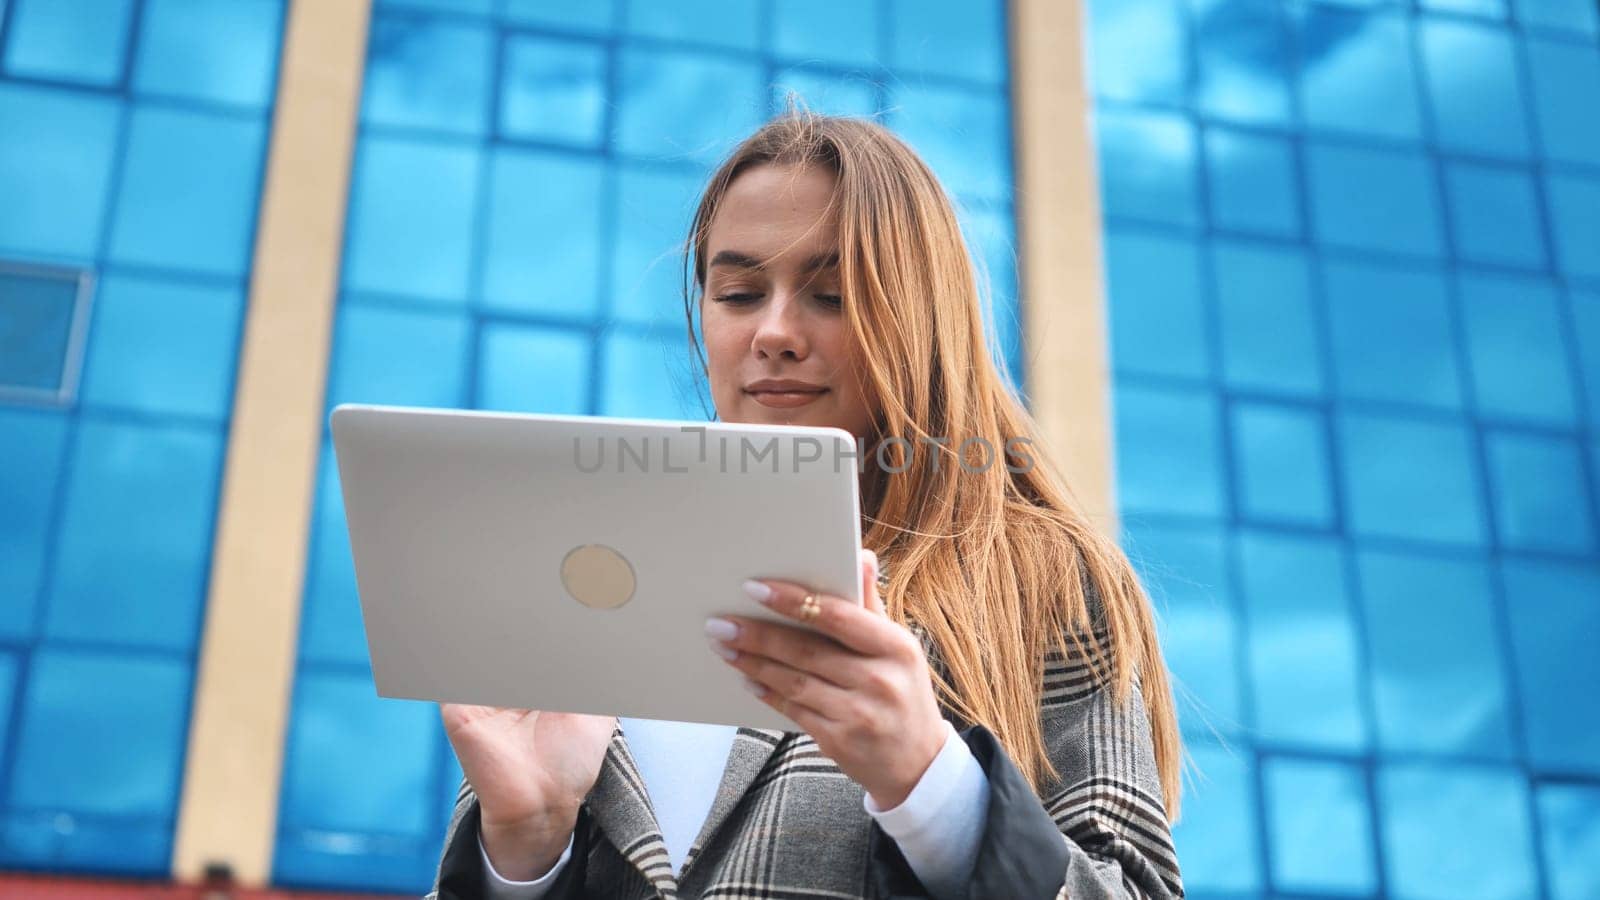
(621,808)
(752,747)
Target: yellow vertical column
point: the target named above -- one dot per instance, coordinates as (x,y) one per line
(1058,212)
(228,812)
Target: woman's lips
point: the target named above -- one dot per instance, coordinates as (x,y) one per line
(786,399)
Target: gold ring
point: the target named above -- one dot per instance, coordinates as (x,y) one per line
(810,608)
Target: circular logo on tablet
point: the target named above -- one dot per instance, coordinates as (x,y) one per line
(597,576)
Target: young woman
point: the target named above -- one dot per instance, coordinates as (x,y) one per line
(994,722)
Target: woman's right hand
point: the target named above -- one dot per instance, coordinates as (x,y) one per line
(530,770)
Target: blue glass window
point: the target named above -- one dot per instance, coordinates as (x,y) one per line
(732,25)
(1147,166)
(1185,571)
(838,95)
(1594,468)
(220,50)
(331,628)
(1150,422)
(1355,72)
(1266,318)
(1540,494)
(1140,50)
(1475,89)
(466,7)
(652,214)
(1251,183)
(189,189)
(1391,334)
(1564,78)
(1302,643)
(1575,220)
(1586,322)
(651,377)
(1494,215)
(594,15)
(1438,682)
(948,37)
(1520,367)
(534,370)
(1434,840)
(1488,8)
(428,73)
(1410,480)
(662,113)
(117,846)
(843,32)
(39,309)
(1280,460)
(357,765)
(1218,837)
(553,90)
(411,213)
(33,442)
(1321,826)
(1158,322)
(68,40)
(163,347)
(101,734)
(357,762)
(55,169)
(123,574)
(1377,200)
(963,135)
(383,354)
(449,782)
(9,667)
(1569,826)
(544,232)
(1578,16)
(1243,64)
(1553,622)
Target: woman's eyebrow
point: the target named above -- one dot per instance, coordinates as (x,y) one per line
(825,260)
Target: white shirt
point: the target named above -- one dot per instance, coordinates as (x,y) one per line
(937,827)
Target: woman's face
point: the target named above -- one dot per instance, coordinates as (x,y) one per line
(777,347)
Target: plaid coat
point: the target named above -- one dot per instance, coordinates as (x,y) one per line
(787,823)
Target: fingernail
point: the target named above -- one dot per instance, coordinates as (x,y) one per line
(872,558)
(754,687)
(723,650)
(721,629)
(758,591)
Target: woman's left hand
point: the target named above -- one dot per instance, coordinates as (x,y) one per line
(861,687)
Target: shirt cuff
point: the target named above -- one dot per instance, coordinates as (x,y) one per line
(950,771)
(502,888)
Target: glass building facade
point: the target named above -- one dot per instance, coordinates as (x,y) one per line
(1353,266)
(132,140)
(1352,259)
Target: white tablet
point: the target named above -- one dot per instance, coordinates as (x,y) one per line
(569,563)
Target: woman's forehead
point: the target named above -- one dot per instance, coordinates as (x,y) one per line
(775,217)
(778,197)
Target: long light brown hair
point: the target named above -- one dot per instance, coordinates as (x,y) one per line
(999,567)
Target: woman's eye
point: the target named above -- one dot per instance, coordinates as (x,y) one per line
(832,300)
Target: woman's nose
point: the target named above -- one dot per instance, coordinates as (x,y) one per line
(782,327)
